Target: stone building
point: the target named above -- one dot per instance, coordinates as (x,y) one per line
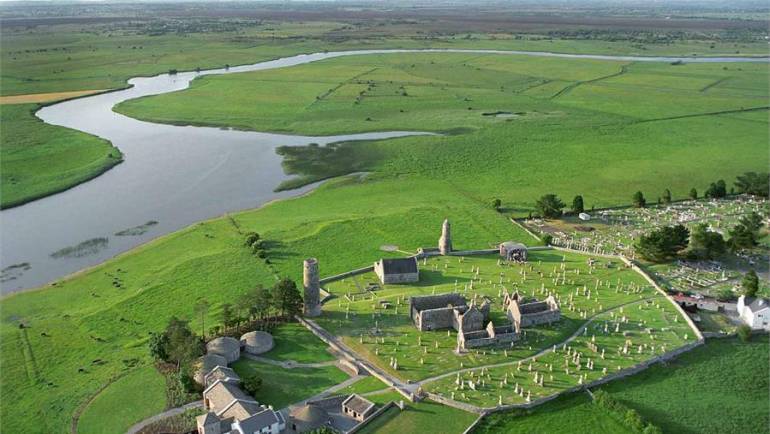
(230,411)
(397,270)
(257,342)
(445,242)
(525,314)
(436,312)
(312,287)
(490,335)
(307,418)
(512,251)
(357,407)
(754,312)
(225,346)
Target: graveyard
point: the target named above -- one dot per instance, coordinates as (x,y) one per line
(373,319)
(614,231)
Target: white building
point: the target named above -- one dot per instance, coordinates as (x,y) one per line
(754,312)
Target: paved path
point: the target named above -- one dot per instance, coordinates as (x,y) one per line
(160,416)
(288,364)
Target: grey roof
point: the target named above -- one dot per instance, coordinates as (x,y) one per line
(260,420)
(358,403)
(223,345)
(222,373)
(509,245)
(757,304)
(534,307)
(426,302)
(399,265)
(207,419)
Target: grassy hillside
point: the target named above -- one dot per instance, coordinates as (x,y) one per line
(37,159)
(721,387)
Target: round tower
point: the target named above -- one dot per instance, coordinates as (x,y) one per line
(311,281)
(445,242)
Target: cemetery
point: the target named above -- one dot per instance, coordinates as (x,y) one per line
(623,313)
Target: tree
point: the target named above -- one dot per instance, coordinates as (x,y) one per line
(667,196)
(286,298)
(180,344)
(251,383)
(201,309)
(262,300)
(717,190)
(547,239)
(227,315)
(744,332)
(757,184)
(746,233)
(158,343)
(577,204)
(750,284)
(549,206)
(497,203)
(663,244)
(251,238)
(724,294)
(705,244)
(693,194)
(638,200)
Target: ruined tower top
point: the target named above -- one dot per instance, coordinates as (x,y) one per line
(445,242)
(312,286)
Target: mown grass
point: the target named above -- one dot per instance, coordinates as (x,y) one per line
(37,159)
(417,417)
(294,342)
(134,397)
(718,388)
(569,414)
(282,387)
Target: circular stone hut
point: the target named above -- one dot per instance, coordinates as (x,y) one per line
(308,417)
(257,342)
(227,347)
(205,364)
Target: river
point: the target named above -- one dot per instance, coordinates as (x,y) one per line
(172,176)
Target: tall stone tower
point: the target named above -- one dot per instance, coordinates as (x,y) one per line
(312,286)
(445,242)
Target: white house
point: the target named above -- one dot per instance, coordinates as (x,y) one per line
(754,312)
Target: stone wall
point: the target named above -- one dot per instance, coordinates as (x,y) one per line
(347,274)
(374,415)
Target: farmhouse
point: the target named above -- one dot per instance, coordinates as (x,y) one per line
(754,312)
(357,407)
(524,314)
(512,251)
(397,270)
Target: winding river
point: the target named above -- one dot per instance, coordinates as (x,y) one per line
(172,176)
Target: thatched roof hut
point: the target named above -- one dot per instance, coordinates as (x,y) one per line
(308,417)
(206,364)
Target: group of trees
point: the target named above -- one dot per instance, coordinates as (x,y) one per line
(176,344)
(283,300)
(666,243)
(550,206)
(258,246)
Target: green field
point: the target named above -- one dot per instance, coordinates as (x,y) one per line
(294,342)
(419,417)
(600,120)
(37,159)
(282,387)
(138,395)
(570,414)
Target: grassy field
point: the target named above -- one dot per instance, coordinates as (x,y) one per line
(725,377)
(570,414)
(282,387)
(138,395)
(552,110)
(37,159)
(294,342)
(417,417)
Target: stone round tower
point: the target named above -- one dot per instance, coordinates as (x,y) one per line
(311,281)
(445,242)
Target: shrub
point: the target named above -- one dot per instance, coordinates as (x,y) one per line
(744,332)
(549,206)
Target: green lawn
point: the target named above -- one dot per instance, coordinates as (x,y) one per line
(130,399)
(365,385)
(37,159)
(419,417)
(295,342)
(718,388)
(282,387)
(570,414)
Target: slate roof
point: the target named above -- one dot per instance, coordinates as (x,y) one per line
(221,395)
(757,304)
(358,403)
(260,420)
(437,301)
(222,373)
(399,265)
